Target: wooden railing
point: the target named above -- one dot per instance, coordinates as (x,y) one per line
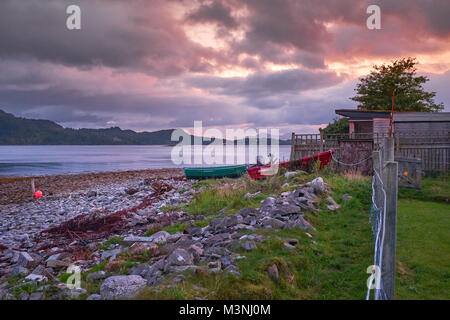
(433,147)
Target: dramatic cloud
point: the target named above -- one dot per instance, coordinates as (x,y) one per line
(148,65)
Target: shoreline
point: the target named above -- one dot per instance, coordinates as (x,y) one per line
(17,189)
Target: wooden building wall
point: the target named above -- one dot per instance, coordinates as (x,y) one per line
(421,126)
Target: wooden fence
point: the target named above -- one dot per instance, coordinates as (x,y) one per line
(432,147)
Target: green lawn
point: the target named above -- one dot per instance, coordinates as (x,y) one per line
(423,244)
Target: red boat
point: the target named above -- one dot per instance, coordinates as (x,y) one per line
(324,158)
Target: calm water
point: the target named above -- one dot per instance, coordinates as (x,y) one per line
(41,160)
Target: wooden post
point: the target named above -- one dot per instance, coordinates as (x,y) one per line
(321,142)
(390,180)
(292,146)
(388,149)
(33,188)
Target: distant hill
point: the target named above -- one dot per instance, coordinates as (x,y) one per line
(21,131)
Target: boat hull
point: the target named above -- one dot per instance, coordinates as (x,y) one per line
(215,172)
(324,158)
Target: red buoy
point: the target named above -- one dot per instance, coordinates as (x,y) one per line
(38,194)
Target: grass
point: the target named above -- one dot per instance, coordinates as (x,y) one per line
(331,265)
(113,240)
(423,242)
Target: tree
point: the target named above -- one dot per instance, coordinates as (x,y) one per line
(374,92)
(337,126)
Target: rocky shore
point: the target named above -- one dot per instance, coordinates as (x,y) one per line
(104,225)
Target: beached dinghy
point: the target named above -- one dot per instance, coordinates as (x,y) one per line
(215,172)
(261,172)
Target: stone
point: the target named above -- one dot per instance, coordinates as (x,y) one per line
(318,185)
(196,251)
(334,206)
(232,270)
(134,239)
(57,264)
(274,223)
(94,297)
(247,212)
(179,278)
(215,223)
(229,221)
(215,266)
(300,222)
(99,275)
(75,293)
(91,194)
(288,246)
(160,237)
(267,203)
(110,254)
(36,296)
(272,272)
(53,257)
(25,260)
(19,270)
(249,245)
(140,270)
(251,195)
(226,261)
(195,232)
(41,270)
(290,174)
(36,278)
(122,287)
(292,241)
(346,197)
(179,257)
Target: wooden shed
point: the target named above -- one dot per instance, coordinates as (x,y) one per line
(377,122)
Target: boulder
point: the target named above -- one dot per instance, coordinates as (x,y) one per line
(122,287)
(19,270)
(288,245)
(140,270)
(99,275)
(334,206)
(267,203)
(290,174)
(274,223)
(272,272)
(36,277)
(160,236)
(249,245)
(179,257)
(247,212)
(110,254)
(25,260)
(318,185)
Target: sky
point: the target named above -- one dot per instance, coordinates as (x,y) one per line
(159,64)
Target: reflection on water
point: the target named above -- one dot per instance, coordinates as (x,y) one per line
(40,160)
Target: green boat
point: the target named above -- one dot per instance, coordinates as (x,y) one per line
(215,172)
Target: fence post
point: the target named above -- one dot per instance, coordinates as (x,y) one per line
(321,142)
(292,147)
(390,180)
(388,149)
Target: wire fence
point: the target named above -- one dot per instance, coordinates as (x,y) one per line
(377,218)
